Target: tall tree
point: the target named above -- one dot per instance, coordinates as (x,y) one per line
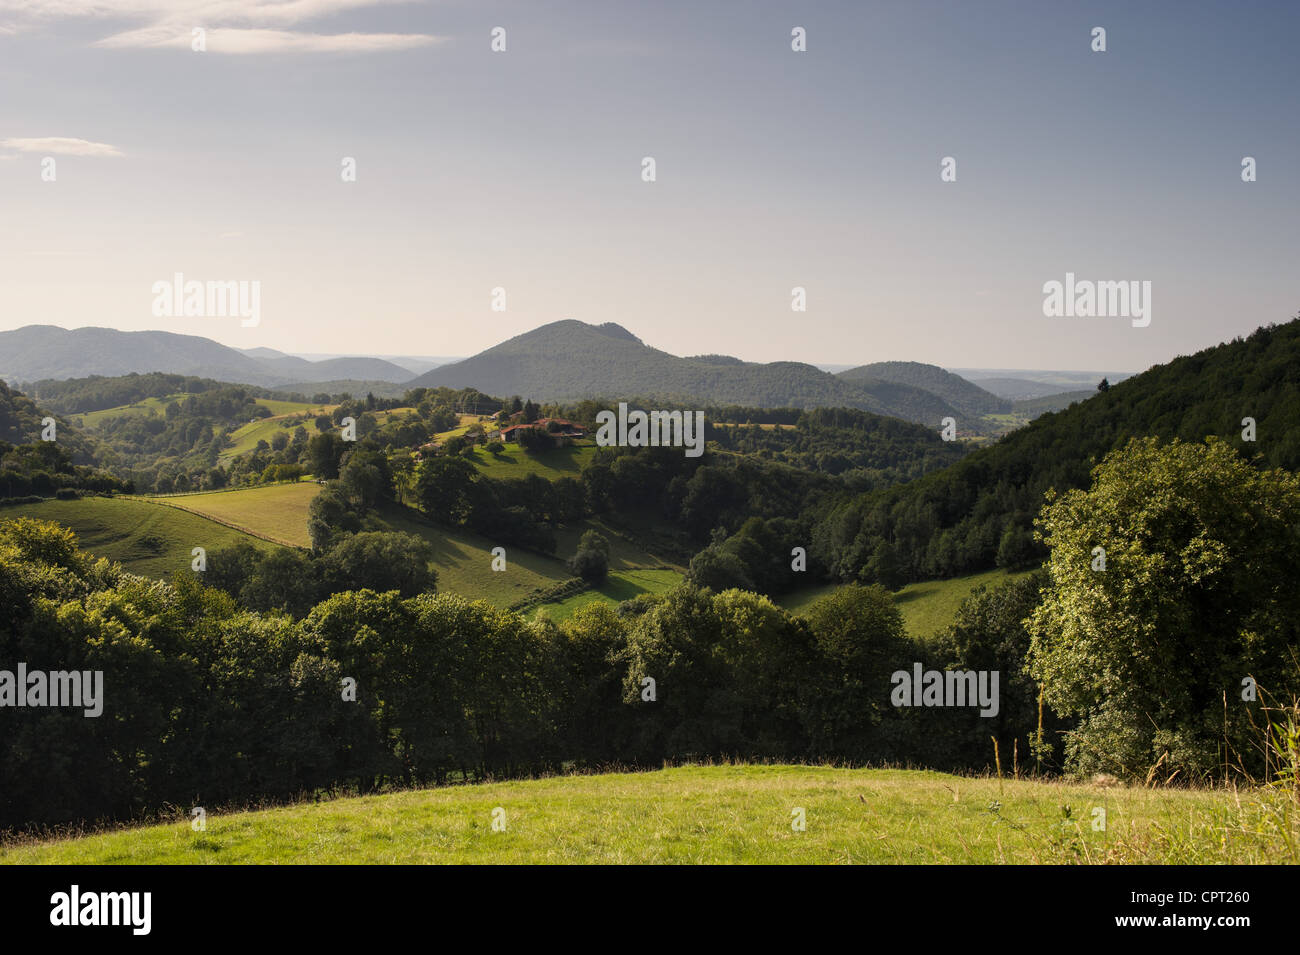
(1196,596)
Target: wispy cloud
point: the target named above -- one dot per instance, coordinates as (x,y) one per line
(231,26)
(267,41)
(60,146)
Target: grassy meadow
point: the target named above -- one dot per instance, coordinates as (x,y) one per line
(144,408)
(624,554)
(927,606)
(620,585)
(244,439)
(463,560)
(514,462)
(467,421)
(146,539)
(930,605)
(280,407)
(277,512)
(715,814)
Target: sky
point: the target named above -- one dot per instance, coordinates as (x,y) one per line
(775,169)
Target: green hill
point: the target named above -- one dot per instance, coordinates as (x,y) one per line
(571,360)
(21,423)
(352,386)
(967,398)
(245,438)
(276,512)
(961,519)
(144,538)
(463,560)
(703,814)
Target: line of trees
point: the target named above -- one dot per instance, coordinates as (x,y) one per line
(209,703)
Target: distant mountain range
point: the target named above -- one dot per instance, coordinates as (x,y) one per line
(1020,384)
(563,361)
(570,360)
(47,351)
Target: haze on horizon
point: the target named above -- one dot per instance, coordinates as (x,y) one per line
(775,169)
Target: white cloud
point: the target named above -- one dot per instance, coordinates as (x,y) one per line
(232,26)
(222,40)
(60,146)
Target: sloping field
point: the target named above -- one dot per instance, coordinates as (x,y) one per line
(277,512)
(245,439)
(706,814)
(158,406)
(514,462)
(928,606)
(464,561)
(620,585)
(146,539)
(623,553)
(466,422)
(281,406)
(143,408)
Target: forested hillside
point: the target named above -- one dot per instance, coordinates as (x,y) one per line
(979,512)
(32,466)
(964,396)
(99,392)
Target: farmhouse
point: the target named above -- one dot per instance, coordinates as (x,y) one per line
(563,427)
(557,426)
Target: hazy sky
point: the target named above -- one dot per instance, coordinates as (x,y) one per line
(775,169)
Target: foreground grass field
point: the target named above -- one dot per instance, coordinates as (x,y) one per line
(708,814)
(144,538)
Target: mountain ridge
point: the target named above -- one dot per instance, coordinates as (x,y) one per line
(570,360)
(36,352)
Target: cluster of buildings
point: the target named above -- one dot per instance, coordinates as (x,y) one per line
(510,429)
(557,426)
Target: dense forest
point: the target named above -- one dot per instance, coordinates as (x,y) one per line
(978,513)
(31,467)
(98,392)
